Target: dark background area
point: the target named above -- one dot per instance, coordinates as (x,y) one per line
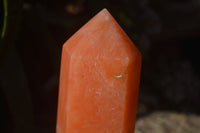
(166,32)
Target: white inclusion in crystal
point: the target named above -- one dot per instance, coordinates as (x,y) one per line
(119,76)
(98,93)
(90,90)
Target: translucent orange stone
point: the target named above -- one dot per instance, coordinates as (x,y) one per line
(99,81)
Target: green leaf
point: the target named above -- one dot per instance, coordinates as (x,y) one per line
(5,4)
(10,17)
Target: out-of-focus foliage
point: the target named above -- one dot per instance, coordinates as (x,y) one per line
(10,18)
(13,81)
(5,12)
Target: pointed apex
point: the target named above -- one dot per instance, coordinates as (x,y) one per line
(101,35)
(104,10)
(104,13)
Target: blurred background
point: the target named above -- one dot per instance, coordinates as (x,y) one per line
(166,32)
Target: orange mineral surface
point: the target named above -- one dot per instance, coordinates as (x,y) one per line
(99,80)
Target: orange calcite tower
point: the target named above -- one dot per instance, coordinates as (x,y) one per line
(99,81)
